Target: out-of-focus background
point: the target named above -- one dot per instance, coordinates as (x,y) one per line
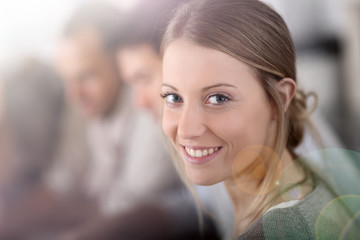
(37,126)
(326,33)
(33,27)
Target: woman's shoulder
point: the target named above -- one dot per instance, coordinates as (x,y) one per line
(297,221)
(279,223)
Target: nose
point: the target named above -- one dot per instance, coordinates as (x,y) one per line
(191,124)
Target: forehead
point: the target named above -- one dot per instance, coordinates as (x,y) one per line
(185,61)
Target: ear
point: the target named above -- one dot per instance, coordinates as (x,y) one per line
(287,89)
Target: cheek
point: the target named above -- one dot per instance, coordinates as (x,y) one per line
(243,127)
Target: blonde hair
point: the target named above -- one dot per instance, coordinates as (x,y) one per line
(256,35)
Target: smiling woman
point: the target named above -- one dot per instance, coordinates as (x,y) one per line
(234,114)
(213,110)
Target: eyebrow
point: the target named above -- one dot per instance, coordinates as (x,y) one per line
(167,85)
(205,88)
(218,85)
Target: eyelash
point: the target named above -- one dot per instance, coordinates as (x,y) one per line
(164,95)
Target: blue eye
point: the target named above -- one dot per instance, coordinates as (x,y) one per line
(172,98)
(218,99)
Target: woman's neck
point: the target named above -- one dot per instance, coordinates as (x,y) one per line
(243,200)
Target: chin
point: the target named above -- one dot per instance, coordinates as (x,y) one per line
(202,177)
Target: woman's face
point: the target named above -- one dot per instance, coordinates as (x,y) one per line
(214,107)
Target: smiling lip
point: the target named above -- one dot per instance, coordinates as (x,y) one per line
(192,154)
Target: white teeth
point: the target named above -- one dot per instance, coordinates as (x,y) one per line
(198,153)
(192,153)
(205,153)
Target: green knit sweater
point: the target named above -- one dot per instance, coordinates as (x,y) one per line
(319,216)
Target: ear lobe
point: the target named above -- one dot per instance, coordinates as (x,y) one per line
(287,89)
